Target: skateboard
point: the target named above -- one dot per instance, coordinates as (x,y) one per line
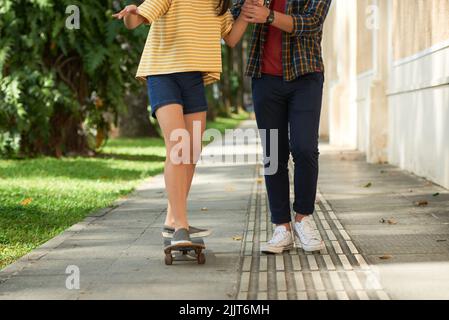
(193,252)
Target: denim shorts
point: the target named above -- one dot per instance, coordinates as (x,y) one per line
(184,88)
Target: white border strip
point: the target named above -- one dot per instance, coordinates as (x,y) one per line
(420,86)
(437,47)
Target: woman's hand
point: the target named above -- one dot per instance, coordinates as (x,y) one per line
(131,9)
(131,16)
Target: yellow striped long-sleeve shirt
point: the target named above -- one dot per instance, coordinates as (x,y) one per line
(184,36)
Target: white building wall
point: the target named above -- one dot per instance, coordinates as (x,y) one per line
(342,91)
(419,114)
(397,112)
(363,114)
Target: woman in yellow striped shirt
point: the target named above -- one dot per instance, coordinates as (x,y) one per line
(182,55)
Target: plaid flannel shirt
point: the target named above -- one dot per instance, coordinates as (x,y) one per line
(301,49)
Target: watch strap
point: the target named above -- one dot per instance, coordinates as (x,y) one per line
(270,17)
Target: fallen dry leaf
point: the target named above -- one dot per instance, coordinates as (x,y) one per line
(237,238)
(259,180)
(204,209)
(26,201)
(389,221)
(385,257)
(422,203)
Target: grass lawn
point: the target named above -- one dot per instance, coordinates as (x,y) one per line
(39,198)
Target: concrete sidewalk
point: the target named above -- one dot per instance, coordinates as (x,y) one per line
(119,251)
(400,223)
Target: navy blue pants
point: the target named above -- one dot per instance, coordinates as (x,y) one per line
(293,108)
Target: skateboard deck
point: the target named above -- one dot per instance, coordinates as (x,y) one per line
(193,252)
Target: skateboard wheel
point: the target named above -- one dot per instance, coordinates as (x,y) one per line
(201,258)
(168,259)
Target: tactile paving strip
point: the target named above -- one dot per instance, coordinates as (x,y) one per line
(339,272)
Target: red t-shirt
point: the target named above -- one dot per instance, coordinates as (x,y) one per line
(272,51)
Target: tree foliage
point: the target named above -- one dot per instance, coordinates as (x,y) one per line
(61,89)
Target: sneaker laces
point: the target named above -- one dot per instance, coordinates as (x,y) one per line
(279,234)
(308,228)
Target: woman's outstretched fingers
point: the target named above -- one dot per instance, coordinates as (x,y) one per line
(117,15)
(131,9)
(120,15)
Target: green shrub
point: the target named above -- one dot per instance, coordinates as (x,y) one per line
(58,87)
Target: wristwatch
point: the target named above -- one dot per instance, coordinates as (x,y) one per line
(270,18)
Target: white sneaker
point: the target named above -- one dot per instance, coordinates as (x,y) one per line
(282,241)
(309,236)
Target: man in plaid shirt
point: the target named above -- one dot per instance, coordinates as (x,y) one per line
(286,66)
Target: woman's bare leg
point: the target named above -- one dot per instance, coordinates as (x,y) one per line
(171,121)
(195,124)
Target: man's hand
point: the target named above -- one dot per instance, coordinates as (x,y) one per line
(255,12)
(257,2)
(131,9)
